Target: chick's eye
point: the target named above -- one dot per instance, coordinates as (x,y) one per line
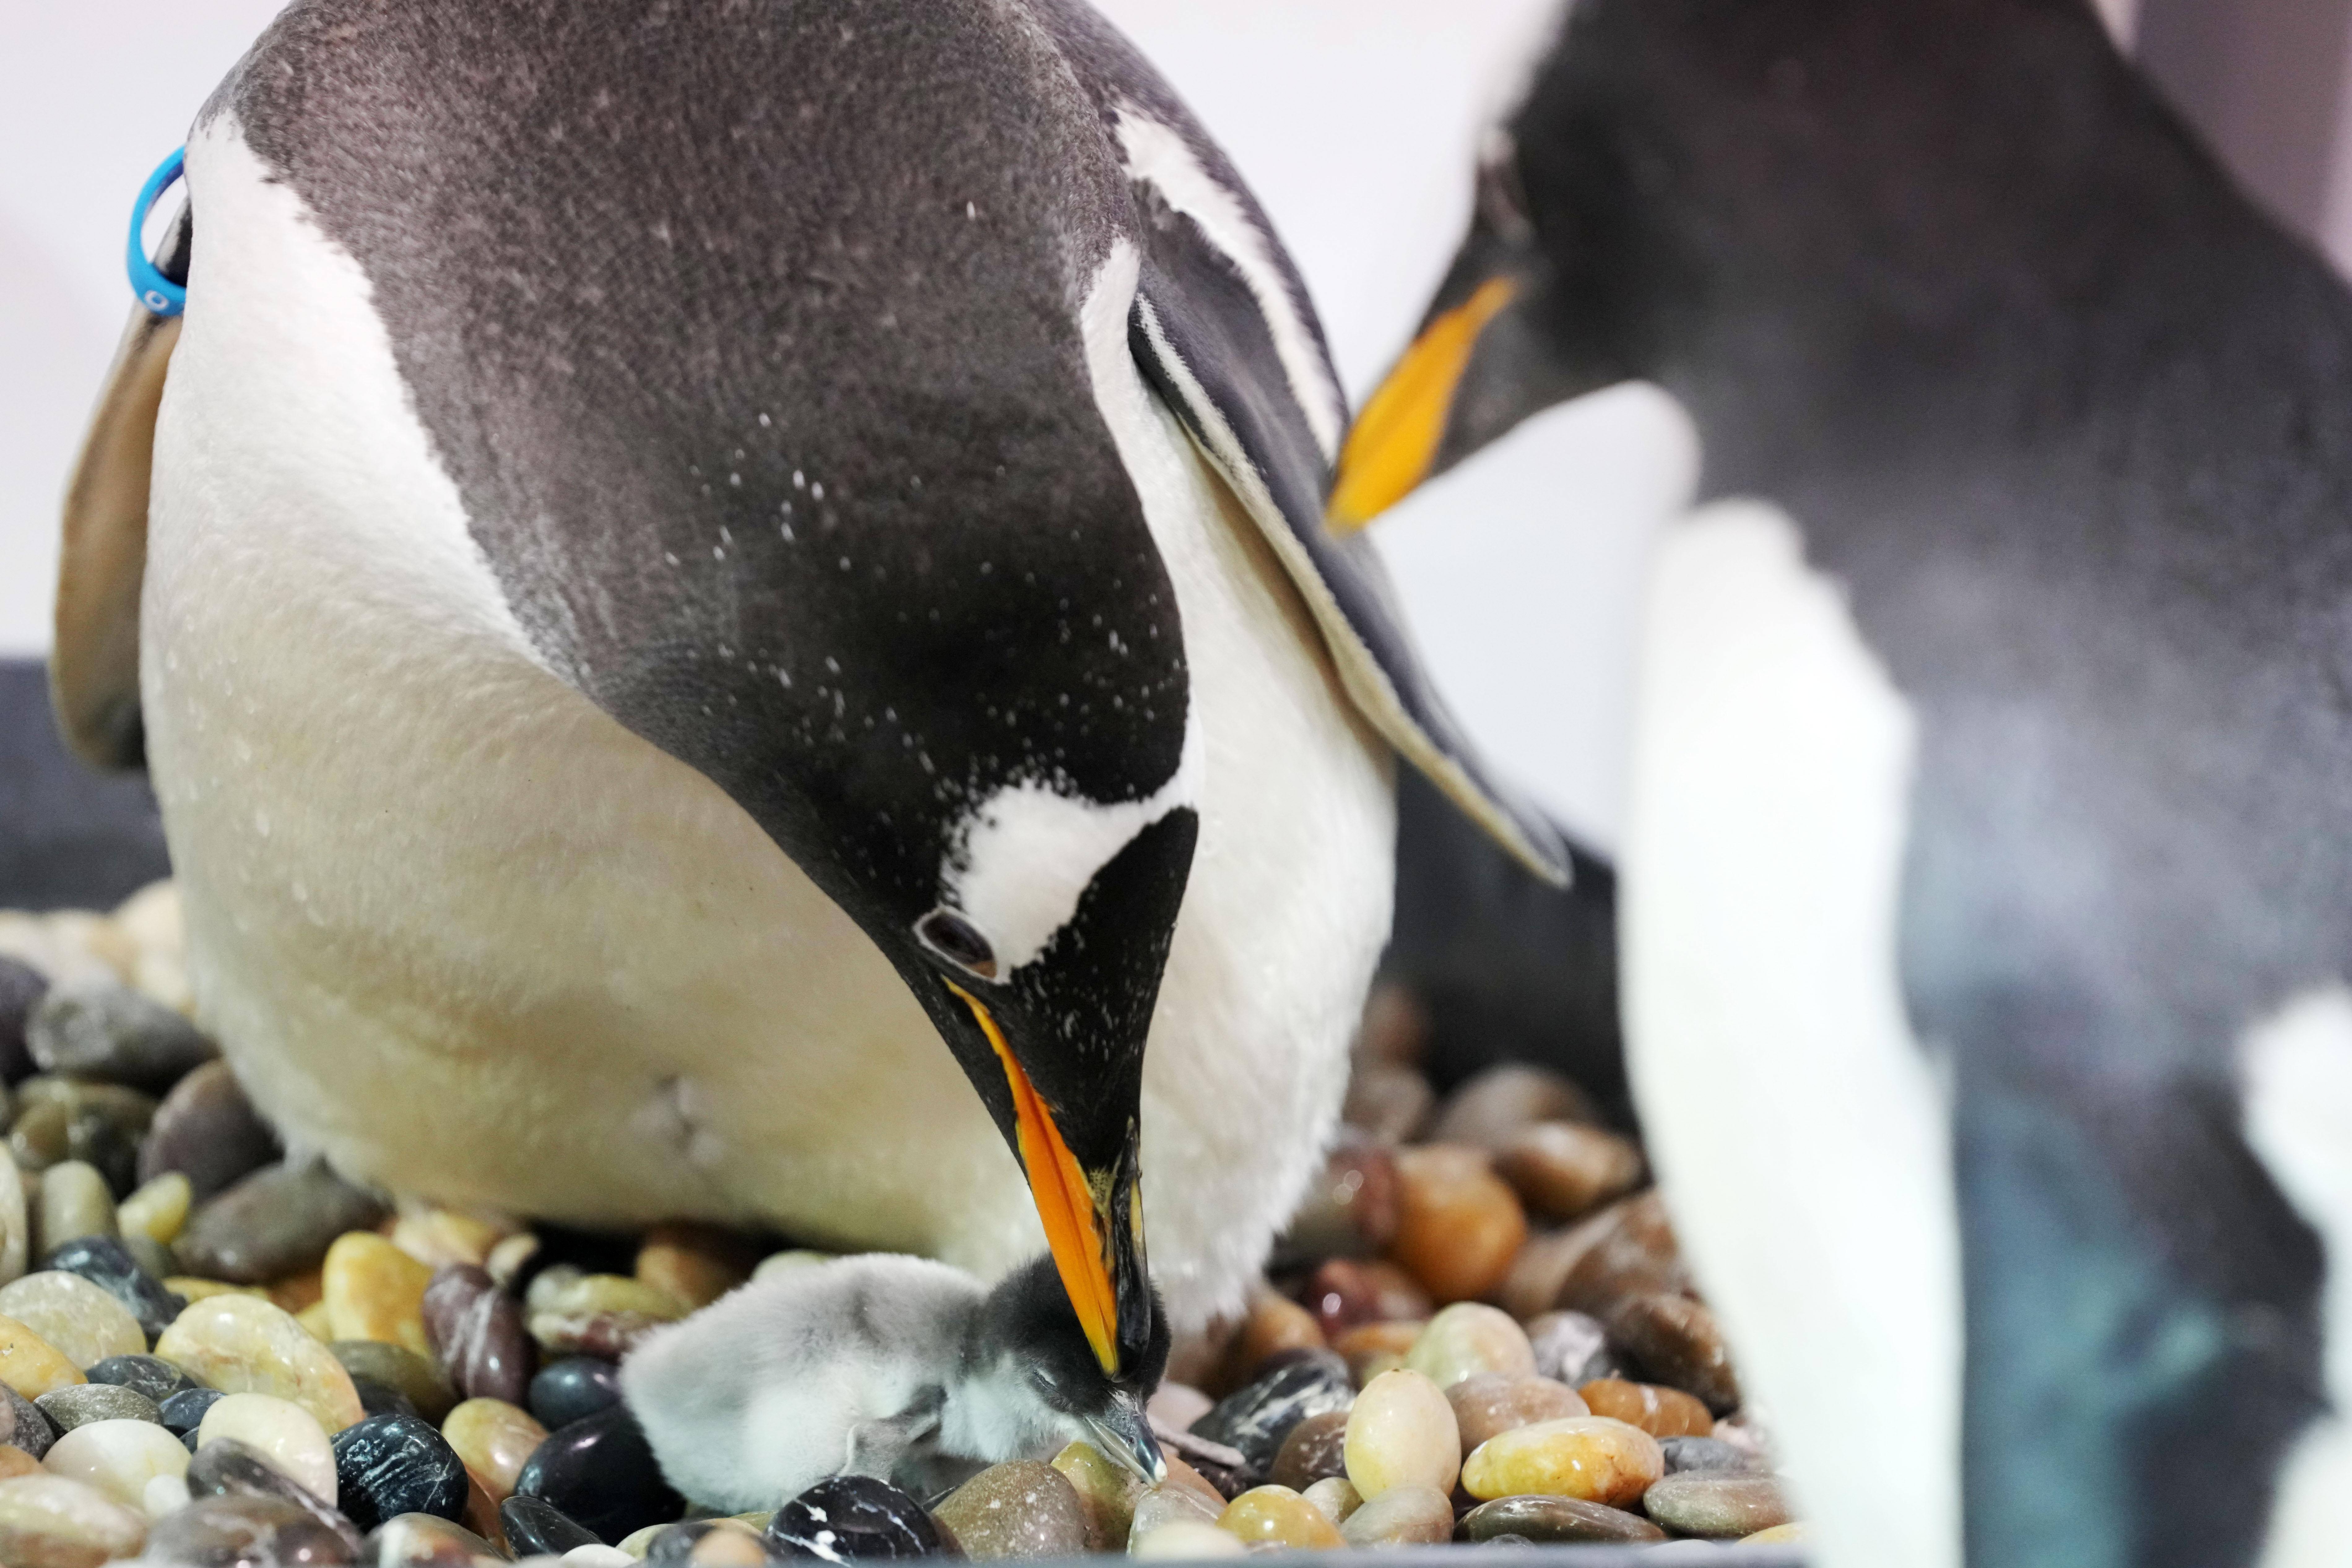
(958,941)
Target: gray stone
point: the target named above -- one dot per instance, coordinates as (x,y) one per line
(208,1131)
(99,1028)
(68,1408)
(1571,1348)
(1713,1504)
(1702,1454)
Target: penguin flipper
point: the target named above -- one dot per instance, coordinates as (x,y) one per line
(94,657)
(1204,345)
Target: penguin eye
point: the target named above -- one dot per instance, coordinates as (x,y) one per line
(958,941)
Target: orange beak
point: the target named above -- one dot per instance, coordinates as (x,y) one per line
(1395,441)
(1075,1208)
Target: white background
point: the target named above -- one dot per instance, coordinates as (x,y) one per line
(1355,119)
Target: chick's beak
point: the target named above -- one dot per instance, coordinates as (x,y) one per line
(1093,1222)
(1123,1432)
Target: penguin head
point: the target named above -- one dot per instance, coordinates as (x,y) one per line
(1030,1365)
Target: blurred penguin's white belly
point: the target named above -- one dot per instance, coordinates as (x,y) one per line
(462,932)
(1798,1129)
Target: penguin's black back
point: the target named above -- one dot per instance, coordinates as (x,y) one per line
(2071,423)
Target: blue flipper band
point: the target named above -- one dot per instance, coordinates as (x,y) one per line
(159,294)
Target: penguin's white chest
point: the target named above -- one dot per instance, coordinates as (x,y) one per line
(460,929)
(1798,1128)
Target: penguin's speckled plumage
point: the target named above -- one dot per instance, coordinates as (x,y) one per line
(697,551)
(1988,883)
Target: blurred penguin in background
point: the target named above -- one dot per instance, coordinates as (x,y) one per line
(1988,888)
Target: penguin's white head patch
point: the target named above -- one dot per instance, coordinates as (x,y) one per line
(1021,859)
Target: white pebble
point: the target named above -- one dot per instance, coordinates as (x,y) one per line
(596,1555)
(68,1521)
(118,1459)
(1184,1539)
(286,1436)
(165,1494)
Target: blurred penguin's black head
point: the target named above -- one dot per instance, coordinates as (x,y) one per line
(1028,1332)
(1781,203)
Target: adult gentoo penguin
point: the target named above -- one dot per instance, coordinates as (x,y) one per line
(1988,883)
(698,549)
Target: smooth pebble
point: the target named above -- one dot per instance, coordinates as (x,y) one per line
(1281,1516)
(1186,1540)
(1402,1433)
(1490,1106)
(246,1532)
(1409,1515)
(106,1262)
(494,1438)
(600,1472)
(533,1524)
(30,1364)
(1315,1450)
(68,1408)
(101,1029)
(1258,1418)
(1716,1505)
(563,1391)
(276,1222)
(208,1131)
(242,1344)
(118,1459)
(1556,1519)
(1022,1508)
(153,1376)
(1587,1457)
(1346,1292)
(412,1376)
(27,1426)
(373,1290)
(1106,1490)
(1173,1501)
(1571,1347)
(1660,1412)
(476,1331)
(16,1221)
(158,1209)
(437,1237)
(1677,1342)
(54,1522)
(83,1322)
(1564,1171)
(227,1468)
(1468,1338)
(1337,1496)
(75,1203)
(1351,1210)
(694,1265)
(1684,1455)
(390,1465)
(184,1410)
(285,1436)
(1491,1402)
(1459,1226)
(851,1517)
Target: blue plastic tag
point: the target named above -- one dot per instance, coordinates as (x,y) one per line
(159,294)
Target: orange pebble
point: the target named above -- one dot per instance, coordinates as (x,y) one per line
(1458,1224)
(1660,1412)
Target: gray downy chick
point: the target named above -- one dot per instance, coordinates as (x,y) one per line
(881,1365)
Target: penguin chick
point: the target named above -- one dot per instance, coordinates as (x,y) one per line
(879,1365)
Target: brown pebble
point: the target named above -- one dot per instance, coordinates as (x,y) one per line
(1459,1226)
(1715,1504)
(1375,1347)
(298,1292)
(275,1222)
(1345,1292)
(1660,1412)
(1677,1342)
(1564,1171)
(1556,1519)
(1024,1509)
(1395,1027)
(1627,1248)
(373,1290)
(1315,1450)
(206,1128)
(495,1438)
(15,1461)
(695,1263)
(1388,1104)
(476,1331)
(1492,1403)
(1490,1106)
(1350,1210)
(1274,1324)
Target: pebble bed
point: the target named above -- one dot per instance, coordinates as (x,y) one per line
(1477,1330)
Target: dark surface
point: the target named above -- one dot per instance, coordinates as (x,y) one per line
(69,837)
(600,1472)
(390,1465)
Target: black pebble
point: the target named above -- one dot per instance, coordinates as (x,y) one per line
(1255,1419)
(569,1390)
(184,1410)
(21,989)
(382,1398)
(536,1525)
(227,1468)
(158,1379)
(105,1262)
(600,1472)
(389,1465)
(32,1431)
(852,1516)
